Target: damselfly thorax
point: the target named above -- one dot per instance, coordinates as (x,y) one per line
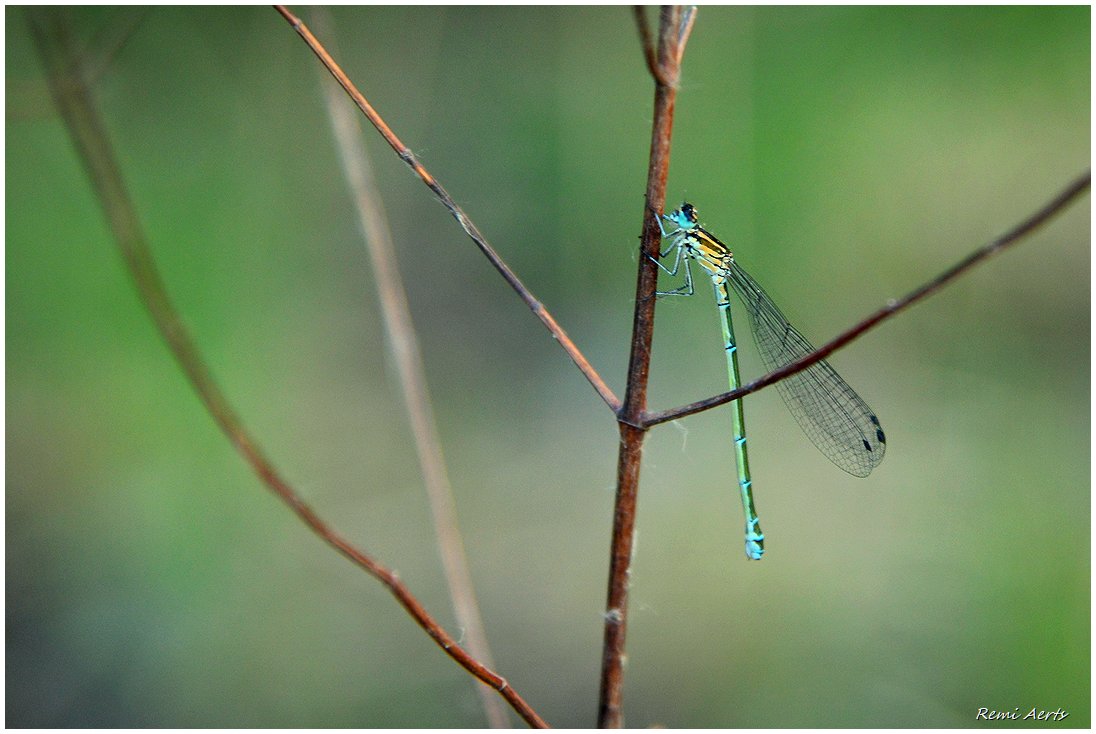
(707,252)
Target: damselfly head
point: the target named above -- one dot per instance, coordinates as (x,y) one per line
(685,217)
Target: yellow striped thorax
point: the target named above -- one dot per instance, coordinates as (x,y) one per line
(700,244)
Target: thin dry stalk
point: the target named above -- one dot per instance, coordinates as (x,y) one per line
(403,341)
(645,40)
(674,26)
(88,132)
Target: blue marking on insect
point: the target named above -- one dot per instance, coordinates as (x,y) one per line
(754,541)
(685,217)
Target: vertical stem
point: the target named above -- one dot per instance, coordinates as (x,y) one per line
(674,24)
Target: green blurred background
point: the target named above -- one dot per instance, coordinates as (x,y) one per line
(848,155)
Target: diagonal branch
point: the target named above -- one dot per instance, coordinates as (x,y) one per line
(89,135)
(466,224)
(1014,235)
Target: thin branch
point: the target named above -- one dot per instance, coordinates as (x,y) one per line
(645,40)
(89,135)
(404,344)
(466,224)
(1014,235)
(685,29)
(666,71)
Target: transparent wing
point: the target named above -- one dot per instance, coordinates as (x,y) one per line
(833,416)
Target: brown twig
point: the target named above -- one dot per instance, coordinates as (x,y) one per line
(466,224)
(1014,235)
(645,40)
(89,135)
(404,344)
(674,25)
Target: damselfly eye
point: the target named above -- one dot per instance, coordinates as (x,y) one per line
(688,211)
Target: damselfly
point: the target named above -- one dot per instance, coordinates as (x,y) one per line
(830,412)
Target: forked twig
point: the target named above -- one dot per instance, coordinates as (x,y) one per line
(684,24)
(89,135)
(404,345)
(466,224)
(1014,235)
